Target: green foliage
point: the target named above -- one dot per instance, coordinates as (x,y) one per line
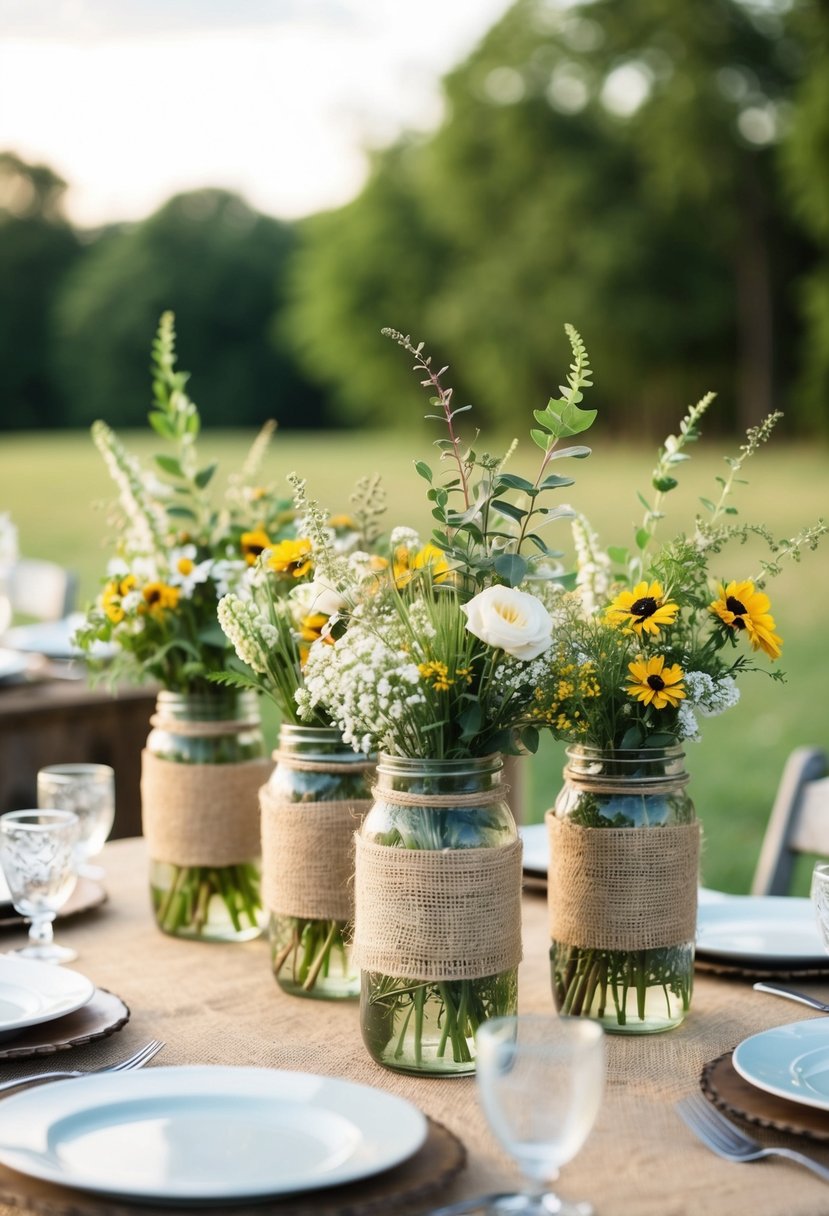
(220,267)
(481,529)
(37,250)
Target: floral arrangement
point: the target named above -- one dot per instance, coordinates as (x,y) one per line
(650,640)
(178,553)
(419,669)
(415,667)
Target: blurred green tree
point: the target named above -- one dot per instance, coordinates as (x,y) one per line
(218,265)
(804,157)
(37,248)
(612,165)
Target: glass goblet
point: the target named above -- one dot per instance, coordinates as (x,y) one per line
(37,853)
(820,899)
(541,1083)
(89,791)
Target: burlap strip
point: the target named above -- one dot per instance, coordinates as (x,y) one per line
(201,814)
(622,888)
(452,914)
(308,856)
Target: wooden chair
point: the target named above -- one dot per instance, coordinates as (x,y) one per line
(41,589)
(799,821)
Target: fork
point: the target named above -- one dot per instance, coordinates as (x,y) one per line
(137,1060)
(729,1142)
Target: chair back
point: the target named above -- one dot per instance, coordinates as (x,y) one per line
(41,589)
(799,821)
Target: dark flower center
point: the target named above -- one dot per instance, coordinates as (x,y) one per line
(645,607)
(254,550)
(153,595)
(656,683)
(739,609)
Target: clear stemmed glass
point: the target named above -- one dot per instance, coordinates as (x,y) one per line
(820,899)
(541,1083)
(37,853)
(89,791)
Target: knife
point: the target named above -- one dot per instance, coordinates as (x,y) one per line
(802,997)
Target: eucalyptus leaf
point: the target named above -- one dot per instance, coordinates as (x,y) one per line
(511,567)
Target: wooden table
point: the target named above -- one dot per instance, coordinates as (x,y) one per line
(58,721)
(216,1004)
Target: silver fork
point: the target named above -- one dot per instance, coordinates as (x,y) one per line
(728,1141)
(137,1060)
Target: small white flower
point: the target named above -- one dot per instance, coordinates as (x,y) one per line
(404,536)
(511,620)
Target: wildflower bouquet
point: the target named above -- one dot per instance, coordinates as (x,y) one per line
(177,553)
(434,670)
(651,639)
(312,798)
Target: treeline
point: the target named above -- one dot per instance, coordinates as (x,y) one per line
(656,173)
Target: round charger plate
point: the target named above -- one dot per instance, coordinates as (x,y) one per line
(101,1016)
(733,1095)
(734,971)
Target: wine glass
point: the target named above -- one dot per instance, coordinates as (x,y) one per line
(37,853)
(540,1082)
(820,899)
(89,791)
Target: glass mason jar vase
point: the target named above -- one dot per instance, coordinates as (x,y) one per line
(202,767)
(438,917)
(622,892)
(311,808)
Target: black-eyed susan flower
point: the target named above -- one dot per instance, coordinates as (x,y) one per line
(112,596)
(159,598)
(292,557)
(253,544)
(644,609)
(654,683)
(741,608)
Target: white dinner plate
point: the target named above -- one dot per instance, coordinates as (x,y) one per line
(201,1135)
(789,1061)
(12,664)
(778,930)
(32,992)
(54,639)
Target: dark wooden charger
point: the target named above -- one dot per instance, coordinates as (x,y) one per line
(101,1016)
(432,1167)
(733,1095)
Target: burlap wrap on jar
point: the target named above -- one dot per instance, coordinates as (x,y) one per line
(622,888)
(201,814)
(446,914)
(308,847)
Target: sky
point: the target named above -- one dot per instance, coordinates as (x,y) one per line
(131,101)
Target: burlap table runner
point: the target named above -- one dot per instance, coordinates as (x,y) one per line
(447,914)
(201,814)
(219,1005)
(308,856)
(622,888)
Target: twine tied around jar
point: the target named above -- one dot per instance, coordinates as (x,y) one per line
(622,888)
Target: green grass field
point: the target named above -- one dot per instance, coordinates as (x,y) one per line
(57,489)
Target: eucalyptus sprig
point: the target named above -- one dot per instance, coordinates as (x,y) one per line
(501,514)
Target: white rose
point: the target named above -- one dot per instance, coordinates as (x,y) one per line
(512,620)
(325,599)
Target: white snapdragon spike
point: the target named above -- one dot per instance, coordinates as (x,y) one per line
(510,620)
(251,635)
(593,572)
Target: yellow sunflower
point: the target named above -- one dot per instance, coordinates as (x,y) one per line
(643,608)
(253,543)
(740,607)
(292,557)
(654,683)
